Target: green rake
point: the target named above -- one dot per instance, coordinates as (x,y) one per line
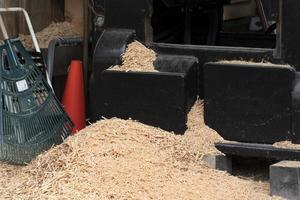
(32,120)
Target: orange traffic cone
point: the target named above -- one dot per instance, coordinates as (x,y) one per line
(73,99)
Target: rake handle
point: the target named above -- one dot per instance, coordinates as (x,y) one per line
(30,27)
(3,29)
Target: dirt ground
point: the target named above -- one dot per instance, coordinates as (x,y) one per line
(124,159)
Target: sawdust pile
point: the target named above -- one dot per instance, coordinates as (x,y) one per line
(124,159)
(53,31)
(199,138)
(245,62)
(286,144)
(251,62)
(137,58)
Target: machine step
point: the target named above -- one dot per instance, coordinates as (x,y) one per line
(258,151)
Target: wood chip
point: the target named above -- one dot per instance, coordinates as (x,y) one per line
(251,62)
(53,31)
(286,145)
(137,58)
(125,159)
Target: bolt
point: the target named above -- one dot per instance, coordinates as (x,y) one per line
(99,20)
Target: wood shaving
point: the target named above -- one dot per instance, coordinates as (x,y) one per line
(125,159)
(250,62)
(286,144)
(199,137)
(53,31)
(137,58)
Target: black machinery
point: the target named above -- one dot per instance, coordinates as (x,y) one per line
(253,105)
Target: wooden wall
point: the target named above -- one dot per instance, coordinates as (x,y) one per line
(42,13)
(74,13)
(11,21)
(239,9)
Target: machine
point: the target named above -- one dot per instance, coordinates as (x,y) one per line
(251,105)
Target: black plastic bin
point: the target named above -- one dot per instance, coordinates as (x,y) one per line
(161,99)
(249,102)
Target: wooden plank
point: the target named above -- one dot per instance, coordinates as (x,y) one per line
(240,9)
(42,13)
(10,19)
(74,13)
(58,10)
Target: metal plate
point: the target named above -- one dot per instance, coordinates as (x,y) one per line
(258,151)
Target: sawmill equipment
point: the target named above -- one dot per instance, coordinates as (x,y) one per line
(31,118)
(253,105)
(166,102)
(198,22)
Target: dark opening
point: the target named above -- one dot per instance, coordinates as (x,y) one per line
(215,22)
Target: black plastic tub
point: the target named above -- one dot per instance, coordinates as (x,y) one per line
(161,99)
(249,102)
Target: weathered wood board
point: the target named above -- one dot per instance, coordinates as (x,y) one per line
(42,13)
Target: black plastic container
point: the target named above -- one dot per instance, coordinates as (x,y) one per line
(249,102)
(212,54)
(161,99)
